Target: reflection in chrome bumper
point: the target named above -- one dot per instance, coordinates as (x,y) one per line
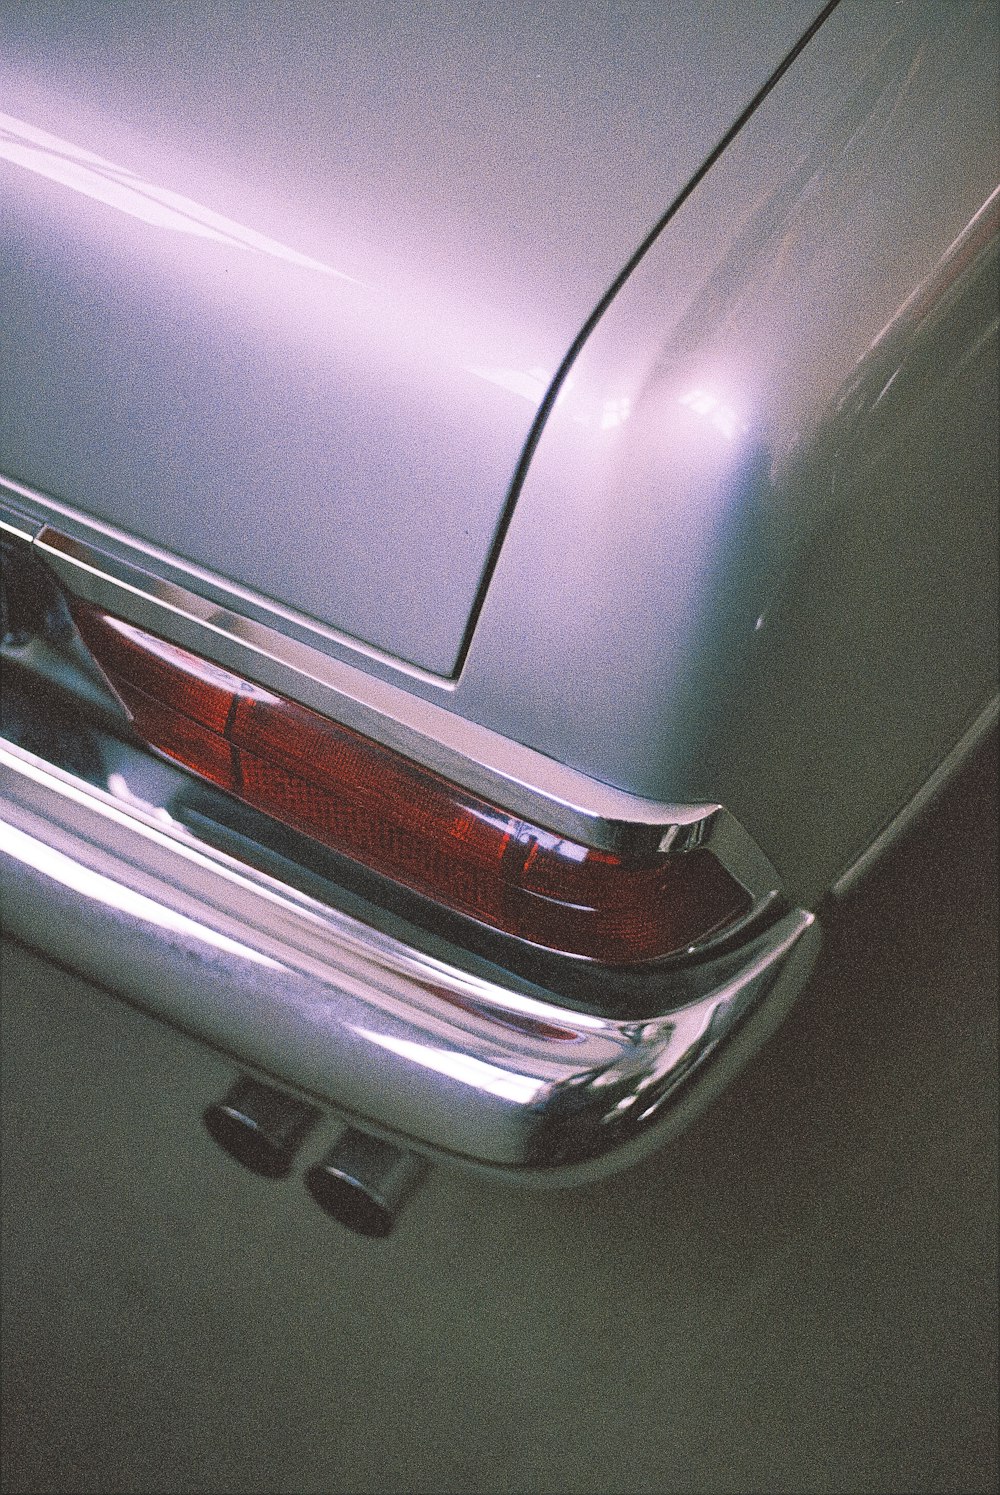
(489,1071)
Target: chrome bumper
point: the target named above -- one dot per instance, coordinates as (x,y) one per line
(491,1072)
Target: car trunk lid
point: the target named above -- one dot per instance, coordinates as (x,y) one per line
(287,283)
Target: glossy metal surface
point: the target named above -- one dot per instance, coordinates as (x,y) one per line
(754,556)
(310,270)
(752,562)
(753,559)
(260,1127)
(523,781)
(364,1182)
(488,1070)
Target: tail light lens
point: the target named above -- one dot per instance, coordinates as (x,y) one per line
(404,821)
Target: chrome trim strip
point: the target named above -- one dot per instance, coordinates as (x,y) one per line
(522,780)
(488,1071)
(934,785)
(15,524)
(258,607)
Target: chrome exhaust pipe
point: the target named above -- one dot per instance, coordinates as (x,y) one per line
(260,1127)
(364,1182)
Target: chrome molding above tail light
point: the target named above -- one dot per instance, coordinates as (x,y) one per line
(104,567)
(416,1037)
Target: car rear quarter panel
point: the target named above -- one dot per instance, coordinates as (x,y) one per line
(754,557)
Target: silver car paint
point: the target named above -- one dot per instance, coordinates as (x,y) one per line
(741,564)
(727,577)
(352,245)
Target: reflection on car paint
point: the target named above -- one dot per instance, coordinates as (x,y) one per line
(60,161)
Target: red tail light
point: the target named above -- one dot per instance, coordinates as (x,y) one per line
(404,821)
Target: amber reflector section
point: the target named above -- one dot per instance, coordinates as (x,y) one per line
(403,821)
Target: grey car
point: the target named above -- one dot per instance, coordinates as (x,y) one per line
(499,535)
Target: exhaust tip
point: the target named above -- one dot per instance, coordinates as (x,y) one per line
(363,1183)
(348,1200)
(260,1127)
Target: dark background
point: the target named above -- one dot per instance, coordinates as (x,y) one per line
(799,1295)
